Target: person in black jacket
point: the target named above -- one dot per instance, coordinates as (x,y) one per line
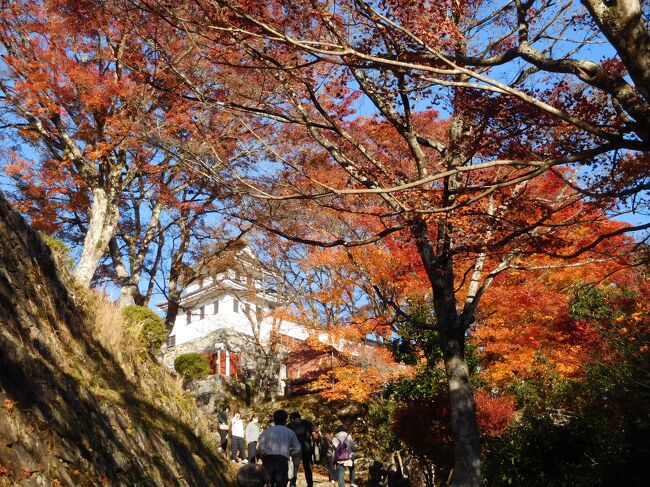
(304,431)
(223,426)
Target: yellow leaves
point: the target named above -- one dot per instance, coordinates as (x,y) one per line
(637,316)
(345,383)
(566,370)
(514,350)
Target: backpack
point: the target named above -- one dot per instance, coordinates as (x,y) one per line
(342,451)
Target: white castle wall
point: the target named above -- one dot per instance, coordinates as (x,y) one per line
(226,317)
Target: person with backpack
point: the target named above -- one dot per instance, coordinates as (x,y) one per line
(304,430)
(344,455)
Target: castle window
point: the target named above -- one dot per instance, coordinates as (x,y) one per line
(200,283)
(189,316)
(202,312)
(247,308)
(235,305)
(171,341)
(216,307)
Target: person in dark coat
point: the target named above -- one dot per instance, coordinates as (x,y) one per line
(223,427)
(304,431)
(376,475)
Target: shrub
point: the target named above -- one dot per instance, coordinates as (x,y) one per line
(149,328)
(192,365)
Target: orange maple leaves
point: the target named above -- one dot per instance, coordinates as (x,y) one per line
(356,383)
(526,325)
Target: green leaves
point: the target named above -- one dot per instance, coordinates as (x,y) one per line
(590,302)
(192,365)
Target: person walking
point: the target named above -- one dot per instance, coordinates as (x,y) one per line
(304,430)
(223,427)
(276,445)
(252,435)
(344,455)
(328,454)
(237,430)
(316,450)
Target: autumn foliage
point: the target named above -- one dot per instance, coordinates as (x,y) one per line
(528,321)
(457,165)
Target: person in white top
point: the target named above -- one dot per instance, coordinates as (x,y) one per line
(237,431)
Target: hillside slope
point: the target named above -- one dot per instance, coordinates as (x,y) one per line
(80,405)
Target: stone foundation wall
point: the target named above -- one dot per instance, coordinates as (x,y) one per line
(71,414)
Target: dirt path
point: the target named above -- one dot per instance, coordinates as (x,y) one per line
(320,480)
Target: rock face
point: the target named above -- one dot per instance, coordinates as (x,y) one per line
(70,412)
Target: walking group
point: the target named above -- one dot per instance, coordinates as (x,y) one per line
(283,448)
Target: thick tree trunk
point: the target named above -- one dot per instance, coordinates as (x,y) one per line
(173,307)
(129,293)
(439,268)
(137,250)
(622,23)
(104,216)
(467,453)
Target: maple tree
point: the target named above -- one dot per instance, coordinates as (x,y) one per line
(69,95)
(458,186)
(100,157)
(332,301)
(347,132)
(394,276)
(562,320)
